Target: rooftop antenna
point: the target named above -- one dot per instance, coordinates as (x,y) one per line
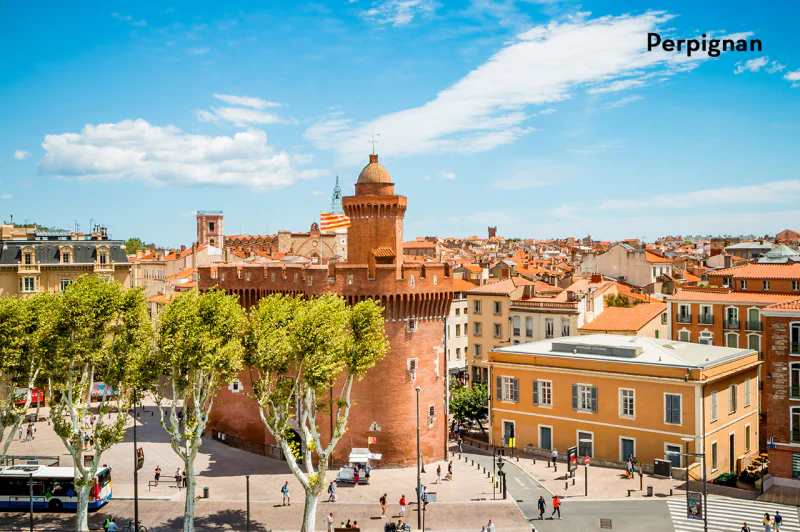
(373,141)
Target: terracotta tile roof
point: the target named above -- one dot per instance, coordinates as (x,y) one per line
(462,285)
(788,306)
(188,272)
(382,252)
(187,284)
(688,295)
(761,271)
(420,245)
(546,288)
(621,319)
(504,287)
(652,257)
(472,267)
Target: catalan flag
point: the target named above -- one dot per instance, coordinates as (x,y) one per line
(329,221)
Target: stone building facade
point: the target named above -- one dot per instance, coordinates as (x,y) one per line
(209,229)
(416,297)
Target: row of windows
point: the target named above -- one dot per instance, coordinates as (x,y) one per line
(497,329)
(731,339)
(733,395)
(585,398)
(549,327)
(64,258)
(458,353)
(497,307)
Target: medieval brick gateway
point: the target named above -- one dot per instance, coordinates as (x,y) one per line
(416,297)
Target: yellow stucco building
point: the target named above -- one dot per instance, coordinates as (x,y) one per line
(628,395)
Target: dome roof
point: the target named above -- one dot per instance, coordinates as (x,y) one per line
(374,172)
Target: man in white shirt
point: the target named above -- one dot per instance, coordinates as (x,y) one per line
(555,456)
(330,522)
(490,526)
(112,526)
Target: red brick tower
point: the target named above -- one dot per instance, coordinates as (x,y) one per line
(416,297)
(209,229)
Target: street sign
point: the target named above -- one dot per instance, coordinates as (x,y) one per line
(139,458)
(694,506)
(586,461)
(572,458)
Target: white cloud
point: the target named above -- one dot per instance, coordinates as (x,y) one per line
(486,108)
(129,19)
(427,178)
(623,101)
(565,211)
(241,116)
(246,101)
(21,154)
(135,149)
(398,12)
(594,148)
(753,65)
(547,111)
(765,194)
(775,67)
(199,50)
(7,196)
(447,175)
(317,193)
(794,77)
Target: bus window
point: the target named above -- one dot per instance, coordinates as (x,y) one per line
(103,478)
(60,487)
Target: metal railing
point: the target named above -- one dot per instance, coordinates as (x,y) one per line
(795,436)
(705,319)
(28,267)
(753,325)
(567,305)
(683,318)
(730,324)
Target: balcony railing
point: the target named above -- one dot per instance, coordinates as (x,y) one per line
(566,305)
(548,335)
(683,318)
(516,331)
(753,325)
(28,268)
(705,320)
(795,436)
(730,324)
(101,267)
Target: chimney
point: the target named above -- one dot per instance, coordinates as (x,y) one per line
(373,158)
(183,248)
(597,278)
(194,254)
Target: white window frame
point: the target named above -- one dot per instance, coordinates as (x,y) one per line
(688,335)
(714,456)
(476,307)
(706,335)
(675,447)
(728,335)
(516,330)
(477,328)
(549,323)
(664,408)
(795,286)
(529,330)
(759,341)
(714,407)
(622,457)
(743,284)
(497,330)
(748,437)
(747,392)
(497,308)
(621,394)
(412,324)
(549,403)
(63,285)
(793,325)
(508,389)
(710,310)
(583,389)
(565,323)
(733,392)
(765,285)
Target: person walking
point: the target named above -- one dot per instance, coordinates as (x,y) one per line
(355,476)
(778,521)
(439,474)
(285,493)
(460,445)
(33,431)
(402,506)
(383,506)
(555,456)
(183,478)
(490,526)
(542,507)
(330,522)
(424,497)
(158,474)
(178,477)
(449,471)
(20,432)
(112,526)
(557,509)
(331,492)
(745,528)
(367,471)
(767,522)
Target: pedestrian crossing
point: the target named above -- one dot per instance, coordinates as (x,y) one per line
(726,514)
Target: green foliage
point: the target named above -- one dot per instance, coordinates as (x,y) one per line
(455,384)
(133,244)
(621,300)
(468,403)
(200,336)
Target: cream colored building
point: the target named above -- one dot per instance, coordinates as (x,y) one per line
(489,321)
(644,319)
(457,324)
(38,261)
(542,317)
(638,267)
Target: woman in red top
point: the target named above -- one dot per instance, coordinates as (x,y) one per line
(402,506)
(355,475)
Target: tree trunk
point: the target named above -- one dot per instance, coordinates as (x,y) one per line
(310,512)
(188,512)
(82,513)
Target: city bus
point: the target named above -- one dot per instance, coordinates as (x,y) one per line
(53,488)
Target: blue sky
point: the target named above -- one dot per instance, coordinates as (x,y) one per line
(546,118)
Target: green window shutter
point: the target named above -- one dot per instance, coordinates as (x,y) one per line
(536,392)
(515,387)
(499,388)
(574,396)
(594,399)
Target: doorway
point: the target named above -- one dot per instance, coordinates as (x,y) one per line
(546,437)
(627,448)
(732,453)
(508,432)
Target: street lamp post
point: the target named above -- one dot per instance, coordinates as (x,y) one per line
(247,490)
(686,441)
(501,475)
(702,456)
(135,469)
(419,479)
(586,470)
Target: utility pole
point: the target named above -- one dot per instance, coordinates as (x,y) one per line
(419,479)
(135,469)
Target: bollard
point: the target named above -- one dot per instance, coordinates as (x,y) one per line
(670,492)
(555,467)
(548,465)
(473,462)
(484,470)
(573,481)
(517,458)
(534,461)
(629,493)
(488,475)
(566,486)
